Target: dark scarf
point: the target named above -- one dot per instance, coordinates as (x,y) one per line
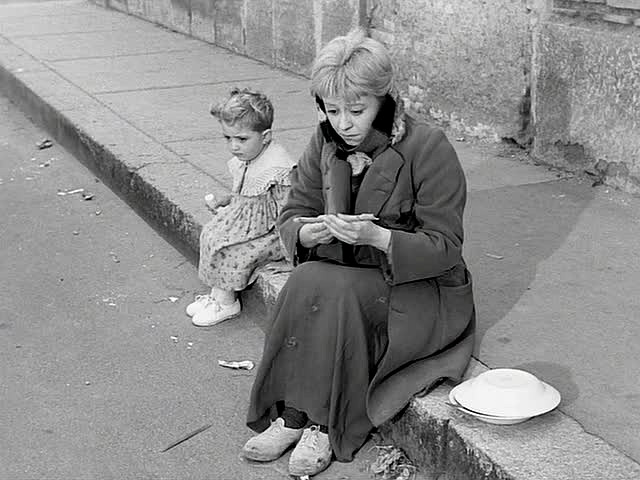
(377,140)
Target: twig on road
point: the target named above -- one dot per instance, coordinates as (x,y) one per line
(187,437)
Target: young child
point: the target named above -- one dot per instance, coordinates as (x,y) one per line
(242,234)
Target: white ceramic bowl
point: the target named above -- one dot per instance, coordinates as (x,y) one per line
(507,392)
(485,418)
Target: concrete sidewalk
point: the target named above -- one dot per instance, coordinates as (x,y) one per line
(554,259)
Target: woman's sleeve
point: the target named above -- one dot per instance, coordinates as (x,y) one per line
(304,199)
(440,196)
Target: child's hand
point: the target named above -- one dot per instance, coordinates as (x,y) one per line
(213,203)
(312,234)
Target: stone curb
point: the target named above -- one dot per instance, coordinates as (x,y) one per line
(443,442)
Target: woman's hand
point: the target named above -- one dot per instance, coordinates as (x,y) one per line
(312,234)
(358,232)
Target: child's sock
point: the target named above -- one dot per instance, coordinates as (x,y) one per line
(223,297)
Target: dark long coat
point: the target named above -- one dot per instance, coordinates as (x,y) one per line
(416,187)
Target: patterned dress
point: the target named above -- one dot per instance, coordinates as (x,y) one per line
(242,235)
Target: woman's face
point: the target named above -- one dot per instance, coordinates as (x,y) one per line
(352,120)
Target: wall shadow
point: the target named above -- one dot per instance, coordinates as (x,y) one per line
(523,225)
(556,375)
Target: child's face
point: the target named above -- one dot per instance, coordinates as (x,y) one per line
(244,143)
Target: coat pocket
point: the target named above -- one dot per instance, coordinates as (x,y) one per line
(400,216)
(456,309)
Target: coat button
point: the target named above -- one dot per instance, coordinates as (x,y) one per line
(292,342)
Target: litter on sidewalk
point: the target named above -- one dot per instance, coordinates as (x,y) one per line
(241,365)
(44,143)
(62,193)
(186,437)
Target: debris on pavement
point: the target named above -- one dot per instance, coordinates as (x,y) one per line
(109,301)
(392,464)
(174,339)
(44,143)
(87,196)
(62,193)
(76,232)
(98,212)
(114,257)
(46,163)
(242,365)
(187,437)
(494,256)
(173,299)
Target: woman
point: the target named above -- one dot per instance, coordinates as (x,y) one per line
(380,305)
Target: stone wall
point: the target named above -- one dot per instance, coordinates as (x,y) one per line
(561,75)
(466,63)
(586,98)
(282,33)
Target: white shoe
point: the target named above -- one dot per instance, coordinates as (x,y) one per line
(215,313)
(312,454)
(200,302)
(272,443)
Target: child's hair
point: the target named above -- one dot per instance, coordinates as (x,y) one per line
(252,109)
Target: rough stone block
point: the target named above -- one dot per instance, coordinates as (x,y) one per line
(203,20)
(587,105)
(259,42)
(630,4)
(569,12)
(621,19)
(295,35)
(471,59)
(229,24)
(120,5)
(170,13)
(338,17)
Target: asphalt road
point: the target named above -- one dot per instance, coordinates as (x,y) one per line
(101,368)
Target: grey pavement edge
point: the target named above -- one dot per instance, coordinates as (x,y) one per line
(83,73)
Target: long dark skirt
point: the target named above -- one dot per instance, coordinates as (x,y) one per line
(327,337)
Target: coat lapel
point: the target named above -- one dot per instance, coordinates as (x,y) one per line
(378,182)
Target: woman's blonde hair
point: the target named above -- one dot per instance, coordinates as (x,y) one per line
(251,109)
(351,66)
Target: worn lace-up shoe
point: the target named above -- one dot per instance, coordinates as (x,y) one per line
(312,454)
(272,443)
(199,304)
(215,313)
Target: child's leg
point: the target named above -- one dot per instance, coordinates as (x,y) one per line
(223,297)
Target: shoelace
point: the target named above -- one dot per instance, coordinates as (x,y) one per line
(276,428)
(208,300)
(310,437)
